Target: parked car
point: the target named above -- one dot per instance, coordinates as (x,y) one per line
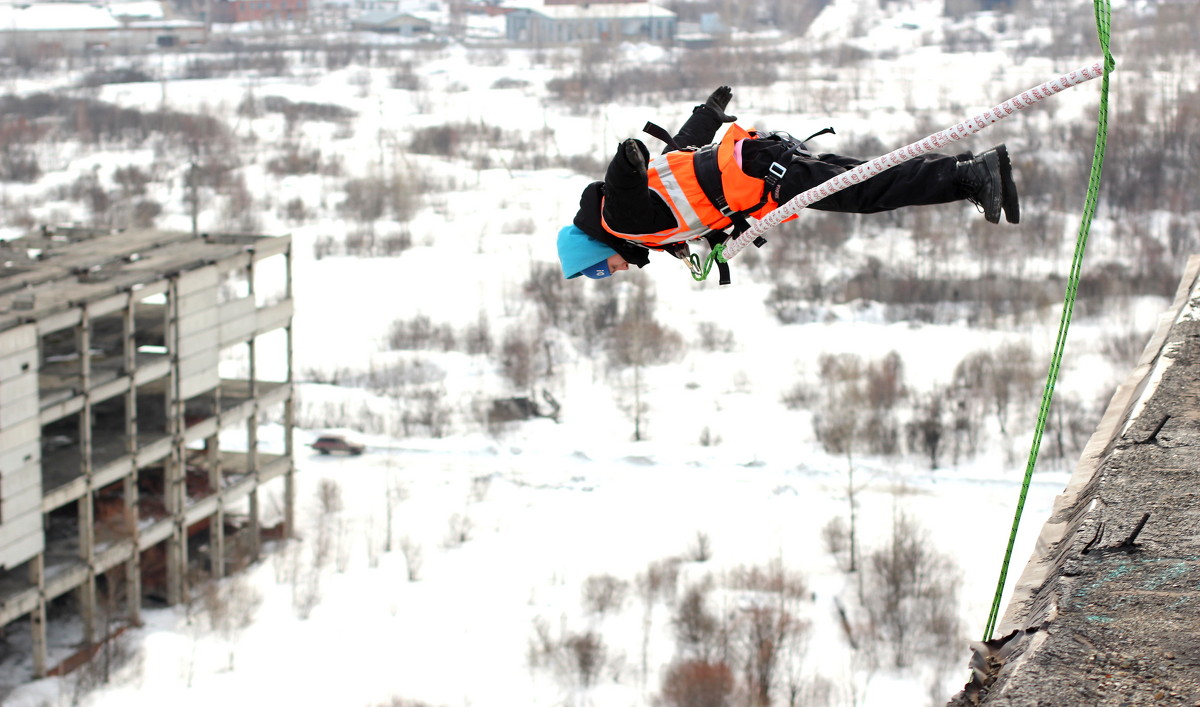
(328,444)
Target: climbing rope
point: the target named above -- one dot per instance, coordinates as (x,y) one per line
(1103,24)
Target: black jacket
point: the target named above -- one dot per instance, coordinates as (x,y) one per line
(630,206)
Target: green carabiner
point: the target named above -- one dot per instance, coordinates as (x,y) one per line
(700,271)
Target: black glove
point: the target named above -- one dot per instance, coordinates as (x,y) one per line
(718,101)
(635,154)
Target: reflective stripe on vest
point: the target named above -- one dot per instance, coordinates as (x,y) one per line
(673,177)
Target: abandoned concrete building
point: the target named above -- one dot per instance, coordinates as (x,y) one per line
(137,370)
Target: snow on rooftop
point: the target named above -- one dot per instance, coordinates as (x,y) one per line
(44,16)
(141,9)
(51,16)
(74,16)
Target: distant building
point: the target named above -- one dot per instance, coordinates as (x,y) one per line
(50,27)
(362,6)
(231,11)
(400,23)
(560,24)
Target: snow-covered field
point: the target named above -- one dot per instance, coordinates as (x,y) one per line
(541,507)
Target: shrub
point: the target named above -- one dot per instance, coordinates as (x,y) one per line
(577,658)
(420,333)
(773,579)
(304,110)
(701,549)
(366,199)
(296,211)
(478,337)
(458,139)
(713,338)
(459,531)
(643,342)
(132,180)
(659,581)
(799,397)
(17,166)
(111,76)
(146,212)
(909,596)
(604,593)
(696,628)
(404,79)
(585,656)
(522,226)
(927,429)
(697,683)
(293,160)
(369,199)
(394,244)
(517,353)
(836,537)
(506,82)
(557,303)
(426,412)
(412,558)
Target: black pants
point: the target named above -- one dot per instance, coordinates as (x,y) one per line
(925,179)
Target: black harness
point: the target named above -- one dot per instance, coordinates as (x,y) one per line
(708,176)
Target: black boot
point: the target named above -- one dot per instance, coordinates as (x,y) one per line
(989,184)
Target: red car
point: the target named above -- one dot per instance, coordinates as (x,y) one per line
(328,444)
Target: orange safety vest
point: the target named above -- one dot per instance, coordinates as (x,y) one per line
(673,177)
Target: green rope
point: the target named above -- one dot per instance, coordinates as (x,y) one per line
(1103,20)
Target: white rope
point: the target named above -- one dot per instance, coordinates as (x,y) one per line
(933,142)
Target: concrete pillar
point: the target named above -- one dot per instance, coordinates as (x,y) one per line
(37,617)
(174,490)
(216,542)
(255,528)
(133,567)
(289,418)
(87,516)
(289,421)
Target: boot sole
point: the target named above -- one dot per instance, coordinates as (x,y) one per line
(1009,200)
(991,210)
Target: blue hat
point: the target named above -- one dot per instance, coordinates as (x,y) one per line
(580,254)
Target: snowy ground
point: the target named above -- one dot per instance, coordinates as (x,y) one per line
(551,514)
(550,505)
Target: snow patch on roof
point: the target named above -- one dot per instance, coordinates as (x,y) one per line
(55,16)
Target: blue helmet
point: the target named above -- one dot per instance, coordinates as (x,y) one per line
(580,254)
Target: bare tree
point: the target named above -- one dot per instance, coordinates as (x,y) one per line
(701,548)
(604,593)
(926,429)
(412,558)
(910,597)
(766,633)
(659,582)
(231,604)
(636,343)
(697,629)
(517,352)
(557,303)
(395,493)
(836,425)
